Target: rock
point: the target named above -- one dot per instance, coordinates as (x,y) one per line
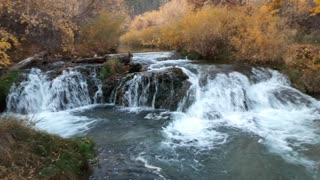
(109,85)
(172,87)
(311,81)
(158,89)
(135,68)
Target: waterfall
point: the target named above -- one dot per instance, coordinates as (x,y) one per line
(39,93)
(136,92)
(205,103)
(262,104)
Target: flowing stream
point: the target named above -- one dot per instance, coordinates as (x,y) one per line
(221,122)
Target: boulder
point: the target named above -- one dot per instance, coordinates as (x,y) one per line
(159,89)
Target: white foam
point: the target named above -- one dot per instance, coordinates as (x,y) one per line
(63,123)
(155,169)
(281,116)
(188,131)
(157,116)
(67,91)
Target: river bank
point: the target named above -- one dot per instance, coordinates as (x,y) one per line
(27,153)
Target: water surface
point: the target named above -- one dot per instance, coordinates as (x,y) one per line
(234,122)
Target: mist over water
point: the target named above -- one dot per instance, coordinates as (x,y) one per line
(233,122)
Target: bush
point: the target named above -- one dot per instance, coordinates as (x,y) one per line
(303,56)
(209,31)
(243,33)
(261,37)
(112,67)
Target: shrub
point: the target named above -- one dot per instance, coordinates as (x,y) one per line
(243,33)
(303,56)
(112,67)
(261,38)
(148,37)
(209,31)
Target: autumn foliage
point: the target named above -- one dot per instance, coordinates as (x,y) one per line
(57,26)
(7,42)
(145,29)
(257,30)
(244,33)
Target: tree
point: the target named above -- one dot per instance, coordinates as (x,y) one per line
(101,34)
(51,25)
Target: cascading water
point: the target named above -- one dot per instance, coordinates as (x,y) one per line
(67,91)
(137,91)
(52,102)
(215,122)
(266,106)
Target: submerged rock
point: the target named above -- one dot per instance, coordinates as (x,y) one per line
(135,68)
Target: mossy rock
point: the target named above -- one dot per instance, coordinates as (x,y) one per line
(6,82)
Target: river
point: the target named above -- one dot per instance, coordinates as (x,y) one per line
(232,122)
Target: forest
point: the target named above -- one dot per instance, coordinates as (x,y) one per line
(159,89)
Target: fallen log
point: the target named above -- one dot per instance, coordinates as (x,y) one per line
(30,60)
(123,58)
(41,59)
